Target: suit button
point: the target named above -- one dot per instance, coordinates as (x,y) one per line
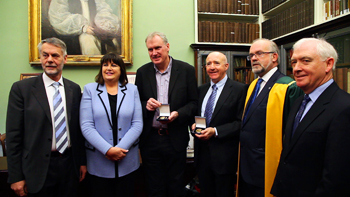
(284,163)
(120,139)
(120,129)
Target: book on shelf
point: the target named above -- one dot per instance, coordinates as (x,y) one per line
(291,19)
(248,7)
(334,8)
(224,31)
(269,4)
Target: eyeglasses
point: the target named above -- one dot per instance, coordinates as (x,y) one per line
(258,54)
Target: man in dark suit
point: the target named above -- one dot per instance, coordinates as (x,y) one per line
(315,157)
(45,151)
(216,147)
(163,143)
(268,100)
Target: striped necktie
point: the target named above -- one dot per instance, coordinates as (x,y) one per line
(60,120)
(300,112)
(255,94)
(210,105)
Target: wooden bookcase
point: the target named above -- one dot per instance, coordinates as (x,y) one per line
(335,29)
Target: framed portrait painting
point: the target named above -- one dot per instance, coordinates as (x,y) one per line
(90,28)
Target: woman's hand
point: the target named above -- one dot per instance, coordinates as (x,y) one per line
(116,154)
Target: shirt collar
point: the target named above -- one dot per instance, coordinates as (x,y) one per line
(319,90)
(168,69)
(269,74)
(48,81)
(220,83)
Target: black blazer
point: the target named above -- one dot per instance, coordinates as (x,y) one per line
(182,98)
(315,161)
(29,131)
(226,117)
(252,137)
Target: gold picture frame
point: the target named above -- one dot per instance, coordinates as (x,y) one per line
(35,35)
(28,75)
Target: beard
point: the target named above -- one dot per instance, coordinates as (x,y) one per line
(262,69)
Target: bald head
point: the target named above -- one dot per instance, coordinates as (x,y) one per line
(216,66)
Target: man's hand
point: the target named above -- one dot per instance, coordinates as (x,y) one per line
(172,117)
(206,133)
(152,104)
(83,171)
(193,127)
(116,154)
(20,188)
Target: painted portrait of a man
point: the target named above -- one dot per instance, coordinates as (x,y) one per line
(88,27)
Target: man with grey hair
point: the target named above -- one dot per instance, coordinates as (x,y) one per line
(315,157)
(45,147)
(163,143)
(267,104)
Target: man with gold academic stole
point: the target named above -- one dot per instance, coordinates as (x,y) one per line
(268,101)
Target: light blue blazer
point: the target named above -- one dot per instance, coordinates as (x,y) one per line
(96,126)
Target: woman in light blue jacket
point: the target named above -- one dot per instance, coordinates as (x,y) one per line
(111,122)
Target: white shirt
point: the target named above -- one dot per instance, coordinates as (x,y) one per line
(220,85)
(50,91)
(266,78)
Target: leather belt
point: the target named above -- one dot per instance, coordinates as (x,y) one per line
(161,131)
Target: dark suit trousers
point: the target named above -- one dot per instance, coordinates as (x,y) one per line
(164,166)
(211,183)
(249,190)
(61,179)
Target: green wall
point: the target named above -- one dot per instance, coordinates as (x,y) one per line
(173,17)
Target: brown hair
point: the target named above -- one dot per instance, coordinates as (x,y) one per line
(112,57)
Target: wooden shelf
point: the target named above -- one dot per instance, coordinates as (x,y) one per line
(283,6)
(228,17)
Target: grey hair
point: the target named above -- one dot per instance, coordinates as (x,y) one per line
(54,41)
(156,33)
(273,47)
(323,48)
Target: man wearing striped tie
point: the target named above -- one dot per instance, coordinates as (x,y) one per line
(45,150)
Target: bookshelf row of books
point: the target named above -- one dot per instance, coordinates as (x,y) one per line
(335,8)
(227,32)
(342,78)
(249,7)
(241,62)
(292,19)
(269,4)
(244,75)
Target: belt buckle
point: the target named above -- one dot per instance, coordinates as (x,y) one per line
(162,131)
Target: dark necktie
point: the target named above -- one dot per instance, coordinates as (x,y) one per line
(300,112)
(60,120)
(255,94)
(210,104)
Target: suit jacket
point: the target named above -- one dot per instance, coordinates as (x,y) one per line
(97,127)
(182,97)
(252,137)
(315,161)
(29,131)
(223,150)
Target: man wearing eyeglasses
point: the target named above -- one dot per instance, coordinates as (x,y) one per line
(267,104)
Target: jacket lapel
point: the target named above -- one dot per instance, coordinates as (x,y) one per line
(69,98)
(103,95)
(173,78)
(121,96)
(152,79)
(225,93)
(317,108)
(263,93)
(201,97)
(39,92)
